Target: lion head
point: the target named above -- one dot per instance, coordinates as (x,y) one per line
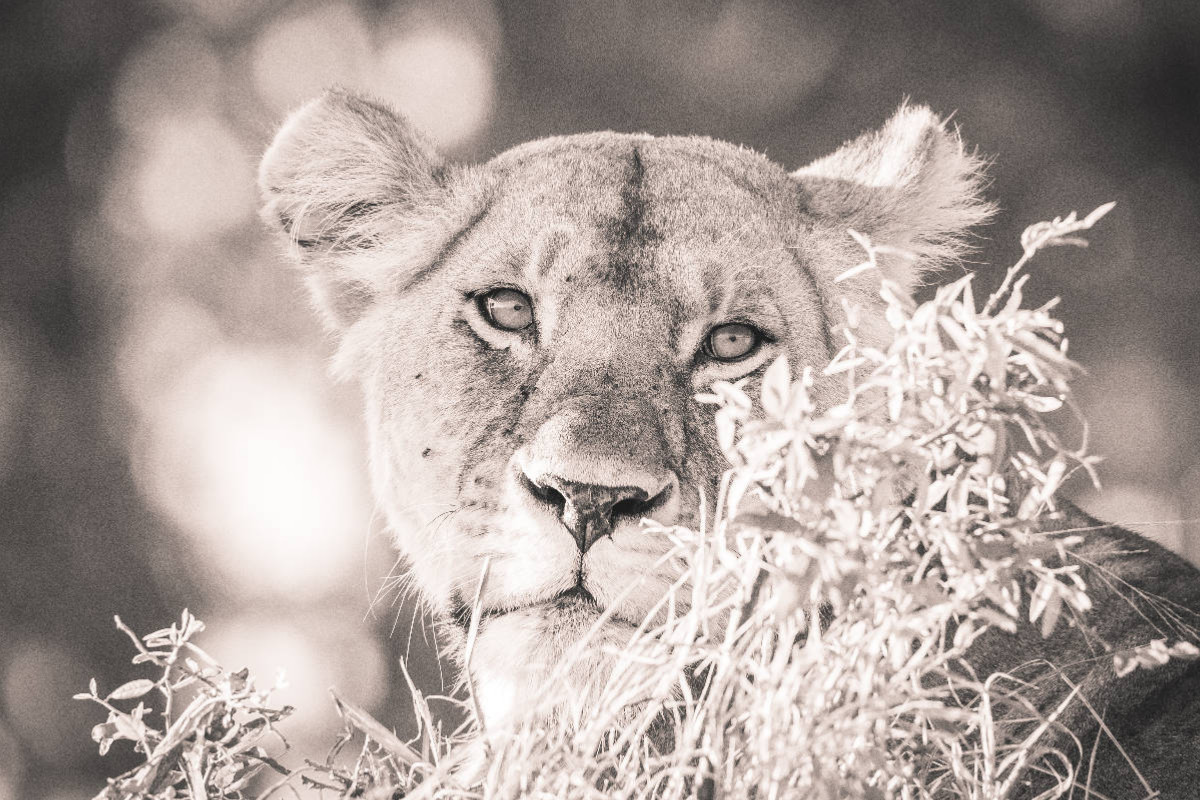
(530,335)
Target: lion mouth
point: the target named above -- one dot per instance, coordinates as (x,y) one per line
(576,598)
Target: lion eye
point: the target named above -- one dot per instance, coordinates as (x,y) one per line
(732,342)
(506,309)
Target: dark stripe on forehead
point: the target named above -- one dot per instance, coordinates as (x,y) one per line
(826,330)
(631,226)
(450,247)
(630,236)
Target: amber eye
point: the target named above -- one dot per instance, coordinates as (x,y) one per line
(732,342)
(506,309)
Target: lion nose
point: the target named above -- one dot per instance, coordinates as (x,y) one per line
(590,511)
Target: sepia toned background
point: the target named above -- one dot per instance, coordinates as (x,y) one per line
(168,438)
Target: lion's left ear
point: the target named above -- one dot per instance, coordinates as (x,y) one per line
(345,179)
(910,185)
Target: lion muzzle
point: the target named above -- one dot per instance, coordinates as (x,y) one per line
(599,462)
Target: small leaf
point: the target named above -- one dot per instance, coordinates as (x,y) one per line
(956,333)
(726,428)
(191,625)
(993,617)
(1154,654)
(1094,217)
(839,364)
(732,395)
(1123,664)
(963,634)
(129,728)
(1054,476)
(994,366)
(105,730)
(776,383)
(1041,597)
(1041,403)
(1185,649)
(1050,615)
(895,402)
(128,691)
(160,637)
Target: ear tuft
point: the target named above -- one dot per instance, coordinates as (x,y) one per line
(344,175)
(335,160)
(910,185)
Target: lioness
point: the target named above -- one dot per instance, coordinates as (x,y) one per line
(530,335)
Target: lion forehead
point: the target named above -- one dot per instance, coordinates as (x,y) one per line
(651,216)
(593,173)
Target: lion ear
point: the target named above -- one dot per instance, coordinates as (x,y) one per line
(910,185)
(343,176)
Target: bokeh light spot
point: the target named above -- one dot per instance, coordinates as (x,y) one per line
(442,80)
(315,653)
(176,73)
(296,57)
(1111,20)
(223,14)
(1151,511)
(14,377)
(160,341)
(1130,401)
(757,58)
(241,452)
(73,789)
(731,61)
(39,677)
(12,766)
(195,179)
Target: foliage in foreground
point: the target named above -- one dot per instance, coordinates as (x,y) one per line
(813,643)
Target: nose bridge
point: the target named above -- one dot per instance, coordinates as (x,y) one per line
(598,450)
(601,397)
(603,435)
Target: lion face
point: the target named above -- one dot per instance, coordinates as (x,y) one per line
(531,333)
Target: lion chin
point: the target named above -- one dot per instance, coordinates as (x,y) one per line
(548,661)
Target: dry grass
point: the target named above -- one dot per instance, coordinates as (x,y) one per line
(813,644)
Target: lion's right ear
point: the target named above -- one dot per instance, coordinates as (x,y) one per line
(344,177)
(911,184)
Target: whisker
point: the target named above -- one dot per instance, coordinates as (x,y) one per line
(395,579)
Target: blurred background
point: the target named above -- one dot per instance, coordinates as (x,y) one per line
(168,437)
